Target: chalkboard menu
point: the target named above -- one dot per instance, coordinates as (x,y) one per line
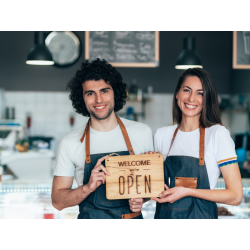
(123,48)
(241,50)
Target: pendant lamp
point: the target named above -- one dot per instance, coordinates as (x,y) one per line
(189,57)
(39,54)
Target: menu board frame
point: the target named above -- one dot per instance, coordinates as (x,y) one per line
(131,64)
(236,53)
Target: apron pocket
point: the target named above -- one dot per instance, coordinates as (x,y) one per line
(186,182)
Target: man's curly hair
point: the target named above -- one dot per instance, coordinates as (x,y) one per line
(96,70)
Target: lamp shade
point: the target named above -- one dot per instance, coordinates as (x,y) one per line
(189,57)
(39,53)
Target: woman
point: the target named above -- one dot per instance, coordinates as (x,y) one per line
(196,148)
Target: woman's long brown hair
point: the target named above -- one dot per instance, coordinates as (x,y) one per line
(210,113)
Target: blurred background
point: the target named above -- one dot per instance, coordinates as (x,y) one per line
(35,111)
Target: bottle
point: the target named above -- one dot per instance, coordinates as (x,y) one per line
(139,95)
(133,89)
(150,92)
(130,113)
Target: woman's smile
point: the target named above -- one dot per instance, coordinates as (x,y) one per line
(191,107)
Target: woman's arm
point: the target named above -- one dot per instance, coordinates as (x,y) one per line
(232,195)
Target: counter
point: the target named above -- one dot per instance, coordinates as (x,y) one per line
(32,200)
(29,165)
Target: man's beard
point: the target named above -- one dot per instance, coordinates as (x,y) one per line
(92,113)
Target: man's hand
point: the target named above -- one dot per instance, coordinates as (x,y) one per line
(98,175)
(136,204)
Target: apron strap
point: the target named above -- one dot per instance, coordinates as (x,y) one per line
(85,130)
(201,146)
(125,135)
(172,141)
(87,141)
(87,144)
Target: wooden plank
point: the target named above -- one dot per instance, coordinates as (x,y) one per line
(86,45)
(134,65)
(234,49)
(134,176)
(235,65)
(157,46)
(152,64)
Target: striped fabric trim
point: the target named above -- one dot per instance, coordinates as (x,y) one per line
(227,161)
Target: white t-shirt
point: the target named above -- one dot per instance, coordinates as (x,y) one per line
(70,158)
(219,147)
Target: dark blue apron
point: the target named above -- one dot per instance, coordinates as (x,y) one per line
(192,168)
(96,205)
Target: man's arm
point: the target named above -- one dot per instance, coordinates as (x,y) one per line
(63,196)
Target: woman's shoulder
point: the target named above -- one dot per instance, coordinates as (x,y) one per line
(218,133)
(167,130)
(217,129)
(163,136)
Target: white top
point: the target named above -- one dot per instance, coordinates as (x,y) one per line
(219,147)
(70,158)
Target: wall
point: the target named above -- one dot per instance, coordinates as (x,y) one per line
(16,75)
(40,90)
(240,83)
(50,112)
(214,48)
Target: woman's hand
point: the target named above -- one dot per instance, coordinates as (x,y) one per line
(171,194)
(150,152)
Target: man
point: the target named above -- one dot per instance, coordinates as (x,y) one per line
(97,91)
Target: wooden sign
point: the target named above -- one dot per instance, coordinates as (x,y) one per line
(134,176)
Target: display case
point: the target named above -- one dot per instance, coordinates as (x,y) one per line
(32,200)
(238,212)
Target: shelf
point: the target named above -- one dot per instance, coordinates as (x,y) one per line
(136,114)
(231,111)
(143,100)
